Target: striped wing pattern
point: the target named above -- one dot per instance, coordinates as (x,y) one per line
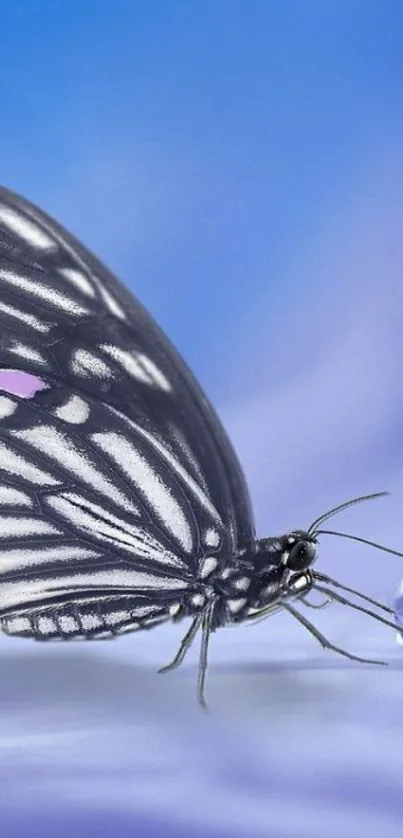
(89,618)
(100,505)
(116,477)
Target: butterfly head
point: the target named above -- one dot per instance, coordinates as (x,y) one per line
(300,551)
(298,558)
(281,565)
(296,551)
(284,565)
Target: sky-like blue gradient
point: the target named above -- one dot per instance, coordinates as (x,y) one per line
(239,165)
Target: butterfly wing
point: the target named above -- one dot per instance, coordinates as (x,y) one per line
(81,507)
(114,399)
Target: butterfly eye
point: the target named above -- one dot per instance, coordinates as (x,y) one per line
(301,555)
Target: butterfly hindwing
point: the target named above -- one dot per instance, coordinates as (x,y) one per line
(87,617)
(95,503)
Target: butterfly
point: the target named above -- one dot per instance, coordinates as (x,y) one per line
(122,501)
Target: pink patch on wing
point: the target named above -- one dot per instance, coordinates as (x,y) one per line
(19,383)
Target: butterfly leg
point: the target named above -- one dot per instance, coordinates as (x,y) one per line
(202,670)
(324,641)
(318,605)
(185,645)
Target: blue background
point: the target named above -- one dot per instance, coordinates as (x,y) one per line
(239,165)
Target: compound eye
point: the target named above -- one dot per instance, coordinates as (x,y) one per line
(302,554)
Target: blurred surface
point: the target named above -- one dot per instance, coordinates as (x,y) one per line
(293,747)
(240,167)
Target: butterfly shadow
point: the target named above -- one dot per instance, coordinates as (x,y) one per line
(91,689)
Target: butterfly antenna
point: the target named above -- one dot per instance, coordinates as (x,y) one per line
(336,509)
(361,540)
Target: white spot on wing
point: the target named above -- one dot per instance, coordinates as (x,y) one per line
(20,558)
(28,353)
(79,280)
(75,410)
(211,538)
(137,365)
(156,375)
(127,360)
(7,407)
(86,363)
(9,496)
(16,464)
(42,292)
(21,527)
(26,229)
(68,624)
(30,589)
(116,617)
(149,621)
(149,483)
(142,610)
(110,301)
(134,626)
(68,457)
(208,566)
(90,622)
(188,454)
(111,530)
(16,625)
(24,317)
(176,466)
(46,625)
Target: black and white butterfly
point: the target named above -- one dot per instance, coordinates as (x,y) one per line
(122,502)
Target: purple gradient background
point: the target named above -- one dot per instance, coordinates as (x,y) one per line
(240,166)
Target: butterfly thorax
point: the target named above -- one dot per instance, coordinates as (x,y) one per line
(251,582)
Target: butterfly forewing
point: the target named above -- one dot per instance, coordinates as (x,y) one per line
(116,477)
(66,319)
